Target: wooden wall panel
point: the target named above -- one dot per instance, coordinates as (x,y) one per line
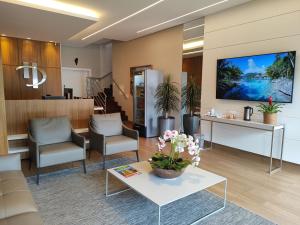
(45,54)
(19,112)
(12,83)
(50,55)
(53,83)
(193,66)
(3,128)
(9,51)
(28,51)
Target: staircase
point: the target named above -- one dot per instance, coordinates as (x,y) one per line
(101,90)
(112,106)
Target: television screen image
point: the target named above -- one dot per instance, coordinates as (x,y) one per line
(255,78)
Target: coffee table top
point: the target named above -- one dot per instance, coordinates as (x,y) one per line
(164,191)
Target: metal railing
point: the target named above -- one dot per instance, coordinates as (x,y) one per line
(96,89)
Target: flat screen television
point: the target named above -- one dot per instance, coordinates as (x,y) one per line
(255,78)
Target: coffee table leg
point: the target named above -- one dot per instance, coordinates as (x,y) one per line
(107,187)
(218,210)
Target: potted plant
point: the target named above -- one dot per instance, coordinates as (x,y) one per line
(167,100)
(191,96)
(270,111)
(170,164)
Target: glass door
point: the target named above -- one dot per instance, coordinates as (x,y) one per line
(139,98)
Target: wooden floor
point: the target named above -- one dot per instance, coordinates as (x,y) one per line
(275,197)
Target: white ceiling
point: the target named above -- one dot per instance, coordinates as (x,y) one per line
(21,21)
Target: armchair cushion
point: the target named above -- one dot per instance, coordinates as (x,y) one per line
(107,124)
(60,153)
(120,143)
(51,130)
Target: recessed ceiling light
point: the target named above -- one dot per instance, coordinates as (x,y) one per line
(194,27)
(194,44)
(179,17)
(58,6)
(126,18)
(194,52)
(3,35)
(28,38)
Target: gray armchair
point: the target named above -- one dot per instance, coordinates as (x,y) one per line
(52,141)
(109,136)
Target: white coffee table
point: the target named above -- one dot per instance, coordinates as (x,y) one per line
(165,191)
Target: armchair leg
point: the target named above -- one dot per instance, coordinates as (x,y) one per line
(37,176)
(29,164)
(84,167)
(137,155)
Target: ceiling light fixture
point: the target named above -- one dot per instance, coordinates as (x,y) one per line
(194,52)
(194,44)
(3,35)
(59,6)
(179,17)
(126,18)
(28,38)
(194,27)
(199,37)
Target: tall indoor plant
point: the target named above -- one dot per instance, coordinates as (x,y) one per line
(270,111)
(167,100)
(191,96)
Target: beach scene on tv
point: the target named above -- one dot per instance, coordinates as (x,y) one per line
(255,78)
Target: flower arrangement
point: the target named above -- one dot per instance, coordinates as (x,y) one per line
(271,107)
(179,144)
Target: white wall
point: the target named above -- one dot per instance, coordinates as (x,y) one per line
(94,57)
(257,27)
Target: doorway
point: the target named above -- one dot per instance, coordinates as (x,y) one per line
(75,79)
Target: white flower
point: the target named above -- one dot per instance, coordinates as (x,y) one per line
(174,133)
(196,158)
(180,149)
(167,135)
(191,152)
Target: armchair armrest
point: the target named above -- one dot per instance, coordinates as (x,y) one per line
(130,132)
(78,139)
(33,146)
(10,162)
(97,141)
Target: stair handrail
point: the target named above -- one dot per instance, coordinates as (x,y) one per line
(120,89)
(100,78)
(113,81)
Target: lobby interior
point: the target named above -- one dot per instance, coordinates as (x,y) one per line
(74,108)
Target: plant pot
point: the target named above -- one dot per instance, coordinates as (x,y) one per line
(167,174)
(270,118)
(165,124)
(191,124)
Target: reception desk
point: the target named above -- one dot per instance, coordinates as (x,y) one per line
(251,125)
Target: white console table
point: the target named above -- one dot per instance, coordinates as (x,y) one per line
(254,125)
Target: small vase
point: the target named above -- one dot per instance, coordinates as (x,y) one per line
(167,174)
(270,118)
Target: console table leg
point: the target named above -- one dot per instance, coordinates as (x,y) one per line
(158,215)
(211,134)
(282,143)
(271,153)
